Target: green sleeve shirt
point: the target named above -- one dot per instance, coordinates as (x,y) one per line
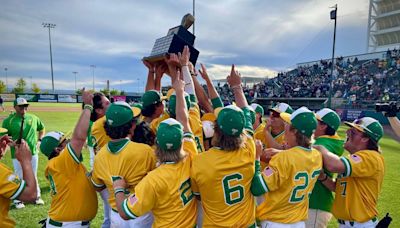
(321,197)
(32,125)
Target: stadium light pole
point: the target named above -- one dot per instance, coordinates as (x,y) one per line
(93,66)
(6,69)
(333,17)
(74,72)
(50,26)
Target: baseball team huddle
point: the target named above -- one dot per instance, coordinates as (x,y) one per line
(196,163)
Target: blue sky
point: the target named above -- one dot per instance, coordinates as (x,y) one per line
(260,37)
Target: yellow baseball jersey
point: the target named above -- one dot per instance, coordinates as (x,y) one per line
(197,127)
(358,188)
(73,197)
(260,135)
(288,181)
(11,187)
(126,159)
(166,191)
(99,133)
(223,181)
(154,124)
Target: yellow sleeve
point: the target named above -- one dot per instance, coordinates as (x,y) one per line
(274,174)
(251,146)
(197,127)
(11,186)
(189,146)
(142,201)
(95,177)
(359,165)
(67,161)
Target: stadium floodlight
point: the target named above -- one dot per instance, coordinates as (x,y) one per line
(333,15)
(75,72)
(50,26)
(93,66)
(6,69)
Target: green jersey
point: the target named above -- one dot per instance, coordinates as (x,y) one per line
(32,124)
(90,140)
(321,197)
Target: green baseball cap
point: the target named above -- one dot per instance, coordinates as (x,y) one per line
(169,135)
(20,101)
(50,141)
(281,108)
(231,120)
(329,117)
(257,108)
(151,97)
(172,103)
(302,119)
(137,105)
(120,113)
(368,125)
(252,115)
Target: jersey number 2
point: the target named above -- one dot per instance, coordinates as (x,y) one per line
(186,192)
(233,193)
(294,198)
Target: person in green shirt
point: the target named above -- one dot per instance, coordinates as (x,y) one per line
(321,199)
(33,132)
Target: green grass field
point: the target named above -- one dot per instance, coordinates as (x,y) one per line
(65,121)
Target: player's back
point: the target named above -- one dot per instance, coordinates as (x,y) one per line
(223,180)
(132,161)
(290,179)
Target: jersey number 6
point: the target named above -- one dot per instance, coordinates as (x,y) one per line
(233,193)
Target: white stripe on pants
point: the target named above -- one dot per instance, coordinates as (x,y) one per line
(67,224)
(144,221)
(18,170)
(269,224)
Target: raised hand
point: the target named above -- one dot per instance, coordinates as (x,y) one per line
(149,65)
(234,79)
(22,152)
(178,84)
(4,140)
(173,63)
(87,97)
(161,68)
(203,72)
(184,57)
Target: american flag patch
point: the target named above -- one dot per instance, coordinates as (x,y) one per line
(268,171)
(133,199)
(355,158)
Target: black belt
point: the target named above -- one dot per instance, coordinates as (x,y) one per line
(59,224)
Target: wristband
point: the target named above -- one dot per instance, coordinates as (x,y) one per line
(236,87)
(118,190)
(326,178)
(88,106)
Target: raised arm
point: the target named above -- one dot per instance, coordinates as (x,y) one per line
(160,70)
(332,162)
(182,115)
(24,156)
(150,75)
(214,96)
(184,60)
(82,126)
(203,100)
(235,82)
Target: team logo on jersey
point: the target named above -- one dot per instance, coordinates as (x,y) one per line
(355,158)
(268,171)
(133,199)
(14,178)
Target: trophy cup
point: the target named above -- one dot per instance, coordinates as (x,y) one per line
(174,42)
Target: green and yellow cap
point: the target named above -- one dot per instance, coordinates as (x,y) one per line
(231,120)
(282,108)
(172,103)
(120,113)
(20,101)
(368,125)
(169,135)
(50,141)
(329,117)
(257,108)
(151,97)
(302,119)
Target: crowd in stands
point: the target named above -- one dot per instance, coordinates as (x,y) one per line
(353,80)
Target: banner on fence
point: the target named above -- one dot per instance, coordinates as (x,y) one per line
(47,98)
(7,97)
(65,98)
(29,97)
